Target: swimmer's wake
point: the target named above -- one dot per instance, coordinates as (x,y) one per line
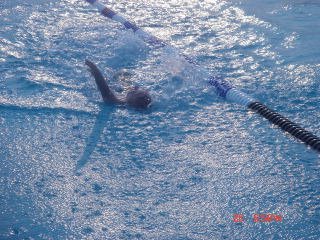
(223,88)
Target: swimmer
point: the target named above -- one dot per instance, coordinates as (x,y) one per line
(136,97)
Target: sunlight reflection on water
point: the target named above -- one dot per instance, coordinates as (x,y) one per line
(74,168)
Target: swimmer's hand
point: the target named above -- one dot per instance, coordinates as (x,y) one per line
(93,68)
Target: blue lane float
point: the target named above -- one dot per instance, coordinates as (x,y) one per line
(223,88)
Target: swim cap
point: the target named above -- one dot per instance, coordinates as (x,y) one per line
(138,98)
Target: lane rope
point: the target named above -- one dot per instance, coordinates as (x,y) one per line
(223,88)
(286,125)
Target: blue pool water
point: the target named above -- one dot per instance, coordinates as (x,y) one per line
(74,168)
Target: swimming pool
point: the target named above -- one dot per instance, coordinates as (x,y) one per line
(74,168)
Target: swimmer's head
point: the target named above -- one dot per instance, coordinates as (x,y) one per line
(138,98)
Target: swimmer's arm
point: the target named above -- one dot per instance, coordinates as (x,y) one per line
(107,94)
